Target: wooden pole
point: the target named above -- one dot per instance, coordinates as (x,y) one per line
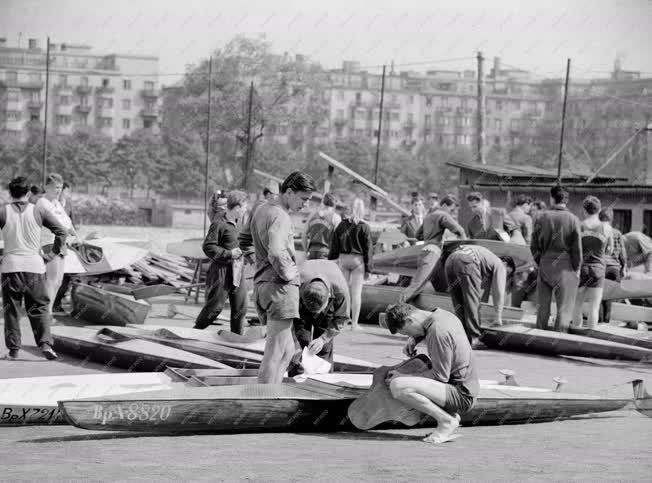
(374,200)
(563,123)
(45,119)
(248,164)
(481,109)
(208,140)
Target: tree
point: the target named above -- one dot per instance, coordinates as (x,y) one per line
(288,100)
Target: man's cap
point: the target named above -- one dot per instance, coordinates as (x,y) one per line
(272,187)
(314,295)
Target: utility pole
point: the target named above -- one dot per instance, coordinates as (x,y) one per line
(248,167)
(45,120)
(208,140)
(563,123)
(374,201)
(481,109)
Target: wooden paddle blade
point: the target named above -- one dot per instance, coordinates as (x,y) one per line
(378,406)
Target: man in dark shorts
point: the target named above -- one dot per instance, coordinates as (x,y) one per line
(325,308)
(450,388)
(270,234)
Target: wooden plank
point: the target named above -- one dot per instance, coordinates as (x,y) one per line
(616,334)
(377,191)
(627,312)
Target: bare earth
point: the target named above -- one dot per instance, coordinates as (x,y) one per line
(610,447)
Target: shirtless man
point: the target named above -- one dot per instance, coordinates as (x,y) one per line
(450,388)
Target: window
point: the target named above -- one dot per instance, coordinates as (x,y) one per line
(359,132)
(105,82)
(126,84)
(12,76)
(35,96)
(12,134)
(34,117)
(410,99)
(126,123)
(62,120)
(106,102)
(149,85)
(514,124)
(338,130)
(35,77)
(340,114)
(517,105)
(360,113)
(83,82)
(126,104)
(499,105)
(623,220)
(13,115)
(64,100)
(106,122)
(63,80)
(498,124)
(396,116)
(428,101)
(82,120)
(83,101)
(410,117)
(340,95)
(13,96)
(464,102)
(647,222)
(445,121)
(427,120)
(443,101)
(358,97)
(497,140)
(394,99)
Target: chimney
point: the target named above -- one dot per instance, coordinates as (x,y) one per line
(3,41)
(33,44)
(496,67)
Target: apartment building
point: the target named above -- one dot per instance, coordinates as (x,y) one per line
(115,93)
(437,107)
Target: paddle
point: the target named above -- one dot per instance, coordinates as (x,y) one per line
(158,290)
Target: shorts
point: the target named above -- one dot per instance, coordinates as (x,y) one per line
(592,276)
(276,301)
(458,400)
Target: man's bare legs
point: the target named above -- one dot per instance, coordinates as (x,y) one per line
(279,349)
(427,396)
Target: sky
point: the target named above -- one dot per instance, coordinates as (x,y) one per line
(414,34)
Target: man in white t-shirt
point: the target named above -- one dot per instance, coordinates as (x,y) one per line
(22,268)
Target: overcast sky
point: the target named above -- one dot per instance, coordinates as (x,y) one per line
(538,38)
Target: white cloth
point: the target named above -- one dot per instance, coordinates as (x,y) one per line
(54,206)
(21,235)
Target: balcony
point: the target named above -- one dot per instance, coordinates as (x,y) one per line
(83,108)
(34,105)
(409,125)
(105,90)
(64,109)
(340,121)
(84,90)
(63,90)
(149,111)
(22,84)
(149,93)
(64,128)
(103,111)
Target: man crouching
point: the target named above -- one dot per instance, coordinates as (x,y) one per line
(449,389)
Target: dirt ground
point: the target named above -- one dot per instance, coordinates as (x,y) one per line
(609,447)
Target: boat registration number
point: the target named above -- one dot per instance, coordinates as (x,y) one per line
(132,412)
(29,415)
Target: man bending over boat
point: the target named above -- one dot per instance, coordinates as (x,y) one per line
(325,308)
(276,281)
(23,268)
(450,388)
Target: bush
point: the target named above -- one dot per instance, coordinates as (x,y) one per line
(99,210)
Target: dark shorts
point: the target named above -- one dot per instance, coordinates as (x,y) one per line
(277,301)
(592,276)
(457,400)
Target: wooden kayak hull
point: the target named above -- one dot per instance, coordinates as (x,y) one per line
(341,363)
(286,407)
(33,400)
(628,289)
(376,298)
(233,357)
(525,339)
(97,306)
(134,355)
(616,334)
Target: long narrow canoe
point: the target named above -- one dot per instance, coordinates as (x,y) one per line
(103,307)
(627,289)
(312,406)
(230,356)
(33,400)
(404,260)
(376,298)
(109,348)
(627,312)
(229,339)
(524,339)
(616,334)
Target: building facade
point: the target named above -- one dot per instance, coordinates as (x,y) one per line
(114,94)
